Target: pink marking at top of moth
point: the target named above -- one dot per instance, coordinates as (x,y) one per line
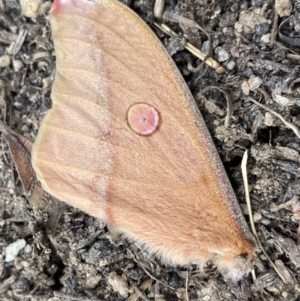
(59,4)
(143,119)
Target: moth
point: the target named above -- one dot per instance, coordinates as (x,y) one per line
(126,143)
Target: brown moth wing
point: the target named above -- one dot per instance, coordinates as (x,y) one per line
(167,190)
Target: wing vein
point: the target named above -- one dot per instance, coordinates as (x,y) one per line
(155,160)
(135,49)
(128,68)
(89,172)
(124,125)
(132,94)
(157,163)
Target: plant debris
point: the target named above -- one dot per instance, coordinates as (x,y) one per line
(256,46)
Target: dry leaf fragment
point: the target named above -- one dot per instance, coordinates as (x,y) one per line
(47,210)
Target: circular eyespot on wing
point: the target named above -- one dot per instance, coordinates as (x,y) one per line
(143,119)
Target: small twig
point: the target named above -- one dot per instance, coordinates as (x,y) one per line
(88,241)
(265,94)
(15,220)
(287,39)
(202,56)
(159,6)
(274,28)
(137,291)
(186,286)
(72,297)
(253,229)
(291,202)
(288,124)
(251,44)
(5,284)
(188,23)
(246,186)
(228,100)
(3,104)
(152,277)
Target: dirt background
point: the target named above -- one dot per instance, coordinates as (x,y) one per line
(257,42)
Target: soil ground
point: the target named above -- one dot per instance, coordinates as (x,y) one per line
(258,43)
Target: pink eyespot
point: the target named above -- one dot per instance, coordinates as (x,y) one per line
(143,119)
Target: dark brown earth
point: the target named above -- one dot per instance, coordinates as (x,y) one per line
(258,45)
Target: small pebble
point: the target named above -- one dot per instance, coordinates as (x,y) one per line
(262,29)
(18,65)
(4,61)
(283,7)
(181,293)
(265,221)
(239,28)
(47,82)
(216,122)
(254,82)
(251,18)
(26,264)
(282,100)
(230,65)
(235,52)
(18,263)
(222,54)
(67,218)
(245,87)
(269,120)
(257,217)
(205,47)
(266,38)
(13,250)
(211,106)
(28,249)
(30,8)
(119,284)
